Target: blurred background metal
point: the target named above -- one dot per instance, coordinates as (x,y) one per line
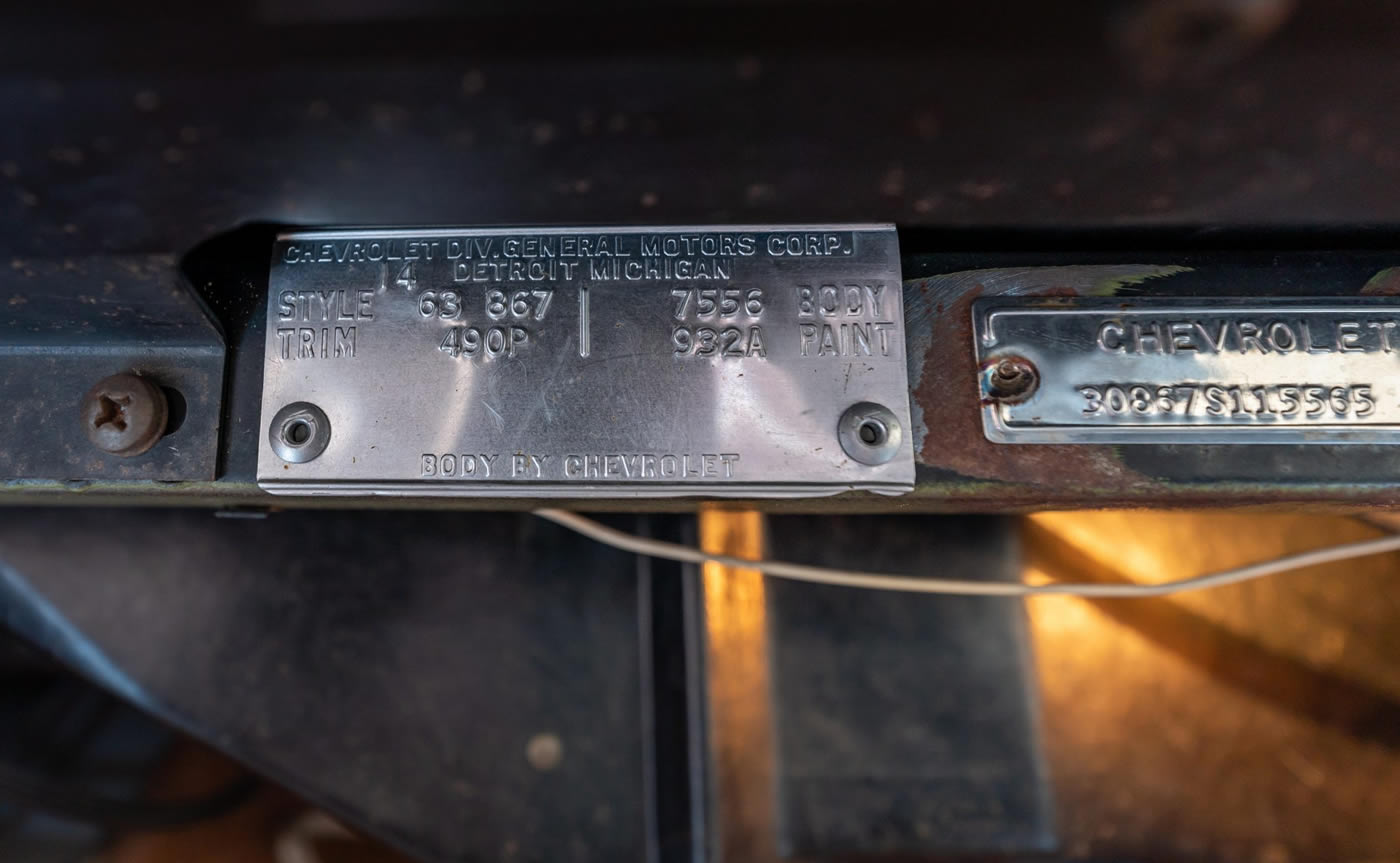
(154,125)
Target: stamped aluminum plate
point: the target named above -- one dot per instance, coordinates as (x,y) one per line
(567,362)
(1191,371)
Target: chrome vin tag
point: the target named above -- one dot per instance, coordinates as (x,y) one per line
(741,361)
(1189,371)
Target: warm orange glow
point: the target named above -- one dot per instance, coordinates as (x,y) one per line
(1061,614)
(1185,706)
(733,597)
(1152,547)
(737,664)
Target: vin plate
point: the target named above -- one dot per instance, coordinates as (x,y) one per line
(584,362)
(1193,371)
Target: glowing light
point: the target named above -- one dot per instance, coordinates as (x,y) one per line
(737,665)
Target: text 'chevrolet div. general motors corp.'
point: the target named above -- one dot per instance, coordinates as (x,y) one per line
(739,361)
(1285,371)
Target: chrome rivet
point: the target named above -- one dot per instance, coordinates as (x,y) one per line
(299,432)
(870,433)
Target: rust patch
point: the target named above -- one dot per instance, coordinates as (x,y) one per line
(948,396)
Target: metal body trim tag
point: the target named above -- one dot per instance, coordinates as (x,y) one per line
(755,361)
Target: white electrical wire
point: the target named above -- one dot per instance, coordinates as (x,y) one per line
(915,584)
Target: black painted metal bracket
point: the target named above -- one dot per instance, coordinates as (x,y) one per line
(67,324)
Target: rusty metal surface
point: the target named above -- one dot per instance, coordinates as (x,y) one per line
(959,463)
(65,326)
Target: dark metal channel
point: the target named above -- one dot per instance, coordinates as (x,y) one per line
(905,725)
(958,468)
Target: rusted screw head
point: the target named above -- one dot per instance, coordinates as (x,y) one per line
(1011,379)
(124,415)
